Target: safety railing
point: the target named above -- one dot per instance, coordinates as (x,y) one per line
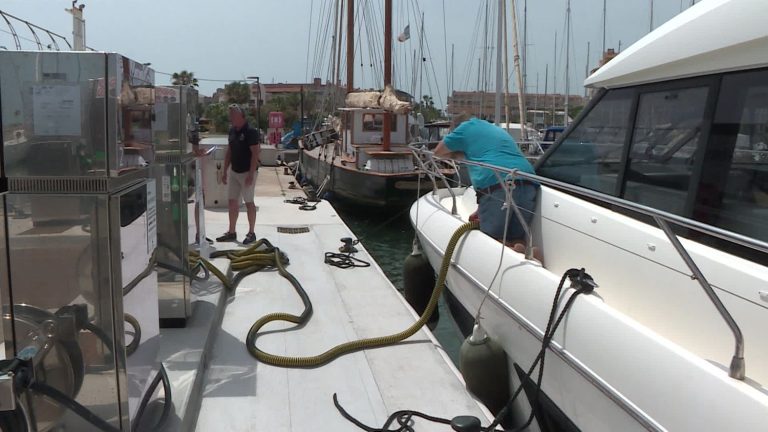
(662,219)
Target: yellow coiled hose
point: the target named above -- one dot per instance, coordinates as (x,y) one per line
(345,348)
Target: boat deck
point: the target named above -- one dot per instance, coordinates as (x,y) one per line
(238,393)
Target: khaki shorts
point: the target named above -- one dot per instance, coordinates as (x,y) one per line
(237,188)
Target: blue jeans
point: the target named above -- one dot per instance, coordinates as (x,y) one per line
(493,217)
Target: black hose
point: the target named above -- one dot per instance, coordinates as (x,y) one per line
(344,260)
(162,375)
(134,345)
(584,285)
(72,405)
(146,272)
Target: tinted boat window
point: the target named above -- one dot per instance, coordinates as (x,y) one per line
(590,155)
(664,142)
(733,193)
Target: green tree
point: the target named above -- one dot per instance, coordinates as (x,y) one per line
(219,116)
(427,109)
(184,78)
(238,92)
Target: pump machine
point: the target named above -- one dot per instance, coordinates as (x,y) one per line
(80,303)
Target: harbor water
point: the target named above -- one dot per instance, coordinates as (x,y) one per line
(388,238)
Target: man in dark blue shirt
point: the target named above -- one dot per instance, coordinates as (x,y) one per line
(243,159)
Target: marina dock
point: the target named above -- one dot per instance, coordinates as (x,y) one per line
(218,385)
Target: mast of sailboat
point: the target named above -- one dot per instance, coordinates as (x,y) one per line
(350,45)
(518,72)
(503,13)
(567,59)
(335,43)
(337,77)
(499,32)
(602,53)
(387,129)
(586,69)
(650,29)
(554,86)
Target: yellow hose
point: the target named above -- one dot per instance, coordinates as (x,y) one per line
(345,348)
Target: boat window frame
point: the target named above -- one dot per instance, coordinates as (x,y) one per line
(712,83)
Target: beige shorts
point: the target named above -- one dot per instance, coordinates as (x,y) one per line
(237,188)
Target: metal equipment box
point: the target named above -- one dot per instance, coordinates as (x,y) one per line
(76,114)
(99,263)
(81,233)
(177,231)
(175,122)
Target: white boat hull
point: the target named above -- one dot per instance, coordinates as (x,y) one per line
(605,369)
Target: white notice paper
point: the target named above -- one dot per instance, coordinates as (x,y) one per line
(56,109)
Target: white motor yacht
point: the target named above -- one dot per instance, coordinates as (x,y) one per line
(659,191)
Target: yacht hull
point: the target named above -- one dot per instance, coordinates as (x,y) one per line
(604,370)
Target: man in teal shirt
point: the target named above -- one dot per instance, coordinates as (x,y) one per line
(479,141)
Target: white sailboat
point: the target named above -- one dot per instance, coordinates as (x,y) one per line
(673,144)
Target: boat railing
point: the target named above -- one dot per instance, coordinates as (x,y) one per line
(661,218)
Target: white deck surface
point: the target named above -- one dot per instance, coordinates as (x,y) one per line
(242,394)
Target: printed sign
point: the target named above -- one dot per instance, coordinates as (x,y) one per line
(151,216)
(56,109)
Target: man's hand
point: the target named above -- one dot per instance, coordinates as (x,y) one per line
(249,178)
(224,177)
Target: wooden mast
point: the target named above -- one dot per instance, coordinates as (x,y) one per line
(350,45)
(387,129)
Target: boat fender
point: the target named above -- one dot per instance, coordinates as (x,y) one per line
(466,424)
(418,284)
(483,364)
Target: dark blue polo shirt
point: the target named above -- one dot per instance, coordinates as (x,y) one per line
(240,143)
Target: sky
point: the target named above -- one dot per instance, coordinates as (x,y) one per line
(289,40)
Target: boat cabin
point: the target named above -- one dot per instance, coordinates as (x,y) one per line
(685,132)
(361,141)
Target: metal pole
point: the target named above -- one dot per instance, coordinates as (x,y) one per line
(567,59)
(738,367)
(337,77)
(604,18)
(586,69)
(301,94)
(503,13)
(387,129)
(518,71)
(651,24)
(554,86)
(350,45)
(499,31)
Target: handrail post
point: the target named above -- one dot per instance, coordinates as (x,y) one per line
(738,367)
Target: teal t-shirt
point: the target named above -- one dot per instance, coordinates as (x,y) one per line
(485,142)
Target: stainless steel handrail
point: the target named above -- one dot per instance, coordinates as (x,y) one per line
(662,219)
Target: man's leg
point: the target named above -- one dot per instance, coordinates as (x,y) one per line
(251,209)
(234,211)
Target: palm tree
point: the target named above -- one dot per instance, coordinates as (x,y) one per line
(184,78)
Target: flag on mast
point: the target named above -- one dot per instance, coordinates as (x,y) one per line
(405,35)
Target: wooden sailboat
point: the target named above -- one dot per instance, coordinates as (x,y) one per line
(366,160)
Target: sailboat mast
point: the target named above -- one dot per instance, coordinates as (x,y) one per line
(518,72)
(335,43)
(387,129)
(525,44)
(350,45)
(567,58)
(503,13)
(602,53)
(650,29)
(337,77)
(586,69)
(554,85)
(499,30)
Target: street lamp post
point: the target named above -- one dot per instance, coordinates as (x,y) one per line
(258,104)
